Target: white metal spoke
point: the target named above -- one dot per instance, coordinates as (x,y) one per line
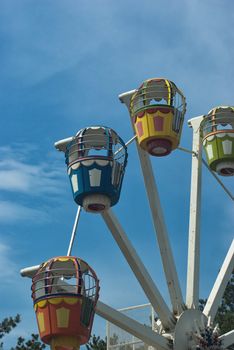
(192,291)
(221,282)
(139,270)
(161,233)
(159,224)
(127,144)
(73,235)
(185,150)
(131,326)
(227,339)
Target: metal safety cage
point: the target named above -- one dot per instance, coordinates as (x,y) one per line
(218,139)
(65,276)
(65,291)
(96,159)
(157,109)
(118,339)
(96,142)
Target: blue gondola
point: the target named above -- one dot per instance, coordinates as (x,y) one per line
(96,159)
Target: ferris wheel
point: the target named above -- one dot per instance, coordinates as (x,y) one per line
(65,289)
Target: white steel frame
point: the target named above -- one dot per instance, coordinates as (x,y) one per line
(135,340)
(192,291)
(139,270)
(133,327)
(218,289)
(74,230)
(169,319)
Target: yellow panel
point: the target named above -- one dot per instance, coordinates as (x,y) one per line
(149,131)
(42,303)
(64,259)
(55,301)
(72,301)
(41,322)
(146,131)
(62,315)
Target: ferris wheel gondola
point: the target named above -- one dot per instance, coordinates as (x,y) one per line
(96,159)
(65,292)
(218,139)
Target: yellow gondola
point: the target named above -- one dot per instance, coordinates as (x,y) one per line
(157,109)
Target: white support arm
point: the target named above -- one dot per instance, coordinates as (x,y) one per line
(193,265)
(131,326)
(62,144)
(73,234)
(159,223)
(139,270)
(221,282)
(29,271)
(227,339)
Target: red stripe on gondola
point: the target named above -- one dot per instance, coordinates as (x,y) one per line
(158,123)
(163,110)
(139,129)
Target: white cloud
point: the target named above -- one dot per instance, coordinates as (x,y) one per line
(7,267)
(19,176)
(9,272)
(11,212)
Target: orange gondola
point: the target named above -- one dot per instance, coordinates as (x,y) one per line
(65,292)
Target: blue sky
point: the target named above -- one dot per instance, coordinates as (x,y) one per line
(62,66)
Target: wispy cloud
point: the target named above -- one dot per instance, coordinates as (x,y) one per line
(8,269)
(11,212)
(22,179)
(9,272)
(28,177)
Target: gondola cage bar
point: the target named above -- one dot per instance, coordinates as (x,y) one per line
(157,108)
